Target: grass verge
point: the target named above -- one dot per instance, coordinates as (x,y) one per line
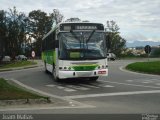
(17,64)
(145,67)
(11,92)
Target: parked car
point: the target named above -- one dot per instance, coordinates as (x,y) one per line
(111,56)
(21,57)
(6,59)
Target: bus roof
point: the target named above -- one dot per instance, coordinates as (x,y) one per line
(72,23)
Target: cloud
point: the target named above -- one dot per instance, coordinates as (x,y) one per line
(136,18)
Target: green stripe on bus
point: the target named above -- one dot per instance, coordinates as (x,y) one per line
(49,56)
(85,67)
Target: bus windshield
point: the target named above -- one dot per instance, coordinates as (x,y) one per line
(82,45)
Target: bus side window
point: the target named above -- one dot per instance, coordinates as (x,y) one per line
(53,39)
(43,45)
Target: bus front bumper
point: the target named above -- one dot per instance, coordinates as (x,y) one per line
(77,74)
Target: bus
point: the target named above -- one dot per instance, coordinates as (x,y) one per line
(75,50)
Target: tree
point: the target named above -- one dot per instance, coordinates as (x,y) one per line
(16,32)
(3,31)
(56,16)
(115,42)
(38,22)
(73,20)
(12,32)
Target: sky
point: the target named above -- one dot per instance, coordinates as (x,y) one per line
(137,19)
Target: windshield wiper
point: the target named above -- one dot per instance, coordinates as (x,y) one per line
(75,36)
(90,36)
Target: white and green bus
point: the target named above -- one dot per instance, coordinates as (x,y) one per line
(75,50)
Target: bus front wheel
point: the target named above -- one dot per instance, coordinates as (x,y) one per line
(45,67)
(54,74)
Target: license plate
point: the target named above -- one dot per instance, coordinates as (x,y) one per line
(101,72)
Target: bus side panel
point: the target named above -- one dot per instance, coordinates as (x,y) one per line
(43,57)
(49,56)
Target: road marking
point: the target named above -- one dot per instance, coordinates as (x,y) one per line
(157,83)
(78,104)
(108,86)
(129,84)
(78,87)
(98,85)
(61,87)
(112,94)
(88,85)
(51,85)
(146,82)
(129,80)
(69,90)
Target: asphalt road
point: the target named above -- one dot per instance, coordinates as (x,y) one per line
(122,92)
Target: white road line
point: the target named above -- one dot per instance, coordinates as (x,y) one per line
(98,85)
(129,80)
(69,90)
(91,86)
(113,94)
(130,84)
(60,87)
(78,104)
(108,86)
(50,85)
(78,87)
(157,84)
(146,82)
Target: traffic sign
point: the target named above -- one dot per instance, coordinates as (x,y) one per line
(33,54)
(147,49)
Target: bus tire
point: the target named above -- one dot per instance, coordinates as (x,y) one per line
(55,78)
(45,67)
(93,78)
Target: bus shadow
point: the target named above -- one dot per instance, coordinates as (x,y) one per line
(71,81)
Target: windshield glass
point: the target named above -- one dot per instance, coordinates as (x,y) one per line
(82,45)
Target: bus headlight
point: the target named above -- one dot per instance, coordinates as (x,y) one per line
(65,68)
(101,67)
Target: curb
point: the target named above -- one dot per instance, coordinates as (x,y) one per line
(57,102)
(122,68)
(18,68)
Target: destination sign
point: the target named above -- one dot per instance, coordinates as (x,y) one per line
(81,26)
(86,27)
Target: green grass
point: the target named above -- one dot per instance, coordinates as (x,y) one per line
(17,64)
(11,92)
(145,67)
